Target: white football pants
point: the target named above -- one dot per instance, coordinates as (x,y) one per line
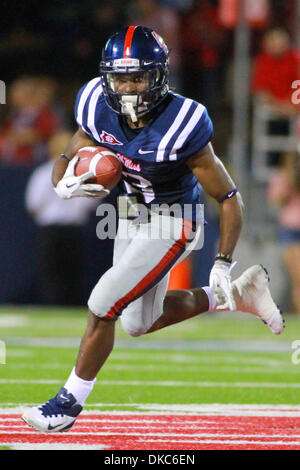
(136,285)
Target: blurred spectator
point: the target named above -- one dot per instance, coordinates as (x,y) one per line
(30,122)
(276,67)
(284,194)
(202,38)
(165,21)
(51,95)
(60,230)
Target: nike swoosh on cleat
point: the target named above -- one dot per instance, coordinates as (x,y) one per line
(50,428)
(66,428)
(63,397)
(145,151)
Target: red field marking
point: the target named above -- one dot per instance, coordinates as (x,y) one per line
(163,432)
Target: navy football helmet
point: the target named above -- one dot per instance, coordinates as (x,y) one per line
(141,51)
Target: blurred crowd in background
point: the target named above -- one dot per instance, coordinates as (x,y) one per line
(47,53)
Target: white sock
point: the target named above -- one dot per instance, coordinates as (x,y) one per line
(80,388)
(211,299)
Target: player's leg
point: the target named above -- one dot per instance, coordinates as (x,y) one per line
(250,291)
(98,340)
(126,287)
(180,305)
(140,315)
(60,412)
(158,308)
(95,347)
(143,264)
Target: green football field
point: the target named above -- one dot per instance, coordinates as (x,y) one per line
(219,358)
(221,381)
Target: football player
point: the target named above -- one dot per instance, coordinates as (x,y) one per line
(164,142)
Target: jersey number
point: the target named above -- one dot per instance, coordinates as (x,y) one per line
(139,184)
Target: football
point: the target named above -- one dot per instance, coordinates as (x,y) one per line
(102,163)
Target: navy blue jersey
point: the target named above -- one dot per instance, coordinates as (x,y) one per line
(155,160)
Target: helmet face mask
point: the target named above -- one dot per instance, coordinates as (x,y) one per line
(134,85)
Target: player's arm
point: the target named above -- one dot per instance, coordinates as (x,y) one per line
(216,181)
(79,140)
(66,184)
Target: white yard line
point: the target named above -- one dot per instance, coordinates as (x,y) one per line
(147,383)
(155,345)
(37,446)
(139,425)
(183,438)
(150,409)
(262,369)
(236,442)
(30,382)
(187,357)
(14,321)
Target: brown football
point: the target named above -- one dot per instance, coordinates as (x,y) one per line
(102,162)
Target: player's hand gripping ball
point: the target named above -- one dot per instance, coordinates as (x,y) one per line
(103,165)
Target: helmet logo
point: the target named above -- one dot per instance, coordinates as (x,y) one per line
(160,41)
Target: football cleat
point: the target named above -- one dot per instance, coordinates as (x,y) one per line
(252,295)
(57,414)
